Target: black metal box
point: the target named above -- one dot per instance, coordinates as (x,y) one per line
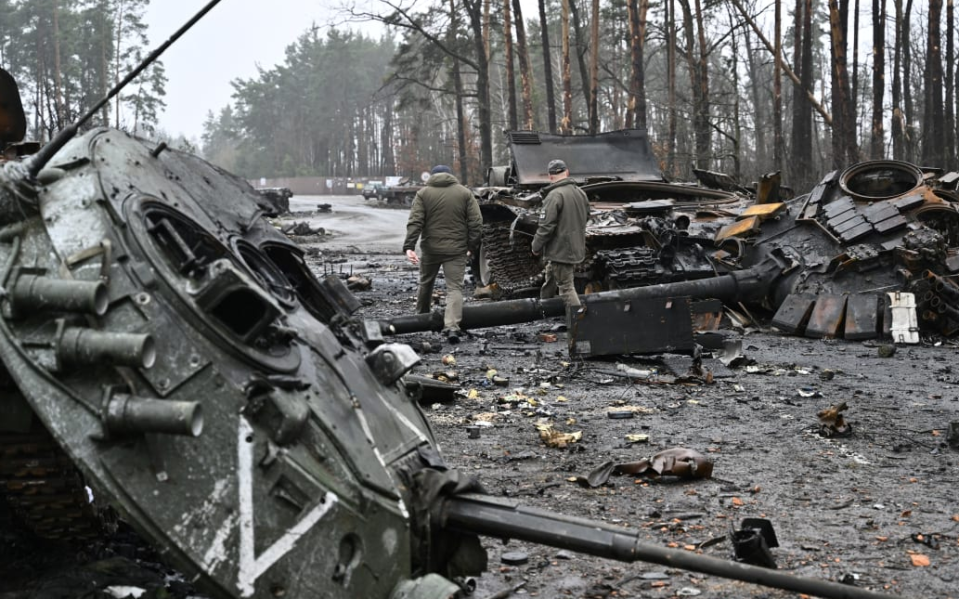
(606,327)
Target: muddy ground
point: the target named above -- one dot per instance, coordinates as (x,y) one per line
(876,508)
(870,509)
(849,508)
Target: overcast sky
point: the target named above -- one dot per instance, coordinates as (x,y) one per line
(229,42)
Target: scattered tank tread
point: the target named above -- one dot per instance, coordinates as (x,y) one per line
(630,267)
(45,490)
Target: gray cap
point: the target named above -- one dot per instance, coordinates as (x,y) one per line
(441,168)
(556,167)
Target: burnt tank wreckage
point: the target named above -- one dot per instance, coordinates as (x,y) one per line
(231,406)
(642,230)
(874,243)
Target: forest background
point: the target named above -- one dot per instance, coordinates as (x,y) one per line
(740,86)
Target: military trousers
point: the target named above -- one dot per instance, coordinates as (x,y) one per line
(559,278)
(454,269)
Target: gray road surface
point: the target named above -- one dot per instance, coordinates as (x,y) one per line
(353,223)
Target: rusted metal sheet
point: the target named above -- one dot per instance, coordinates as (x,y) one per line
(707,315)
(613,327)
(793,314)
(827,316)
(862,317)
(763,211)
(740,228)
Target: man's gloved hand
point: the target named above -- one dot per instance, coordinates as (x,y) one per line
(413,258)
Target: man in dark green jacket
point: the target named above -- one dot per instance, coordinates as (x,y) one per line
(448,217)
(561,235)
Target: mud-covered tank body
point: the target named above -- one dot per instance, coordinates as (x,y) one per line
(182,352)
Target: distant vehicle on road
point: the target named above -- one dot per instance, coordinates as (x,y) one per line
(398,196)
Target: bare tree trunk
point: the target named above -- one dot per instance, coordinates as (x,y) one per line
(510,74)
(933,138)
(844,141)
(671,82)
(486,29)
(461,123)
(116,67)
(57,78)
(547,68)
(104,63)
(39,121)
(737,121)
(800,163)
(594,68)
(950,93)
(484,114)
(525,69)
(638,79)
(389,159)
(907,83)
(566,124)
(896,124)
(810,96)
(855,52)
(778,93)
(699,76)
(878,77)
(759,116)
(581,47)
(636,61)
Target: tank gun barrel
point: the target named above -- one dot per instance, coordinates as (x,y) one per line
(741,285)
(505,519)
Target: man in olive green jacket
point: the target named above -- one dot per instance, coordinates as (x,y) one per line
(561,235)
(448,217)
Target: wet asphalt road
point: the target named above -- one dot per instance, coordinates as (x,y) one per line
(354,224)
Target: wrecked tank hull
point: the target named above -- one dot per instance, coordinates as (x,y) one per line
(642,230)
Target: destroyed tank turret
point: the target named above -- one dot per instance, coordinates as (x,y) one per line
(229,405)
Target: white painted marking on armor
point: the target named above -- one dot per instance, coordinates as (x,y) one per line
(252,567)
(217,553)
(406,421)
(369,435)
(389,540)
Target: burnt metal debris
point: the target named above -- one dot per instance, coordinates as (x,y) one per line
(276,200)
(232,407)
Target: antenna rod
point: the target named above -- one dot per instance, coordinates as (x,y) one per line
(41,158)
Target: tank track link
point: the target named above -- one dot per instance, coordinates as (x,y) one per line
(513,267)
(632,267)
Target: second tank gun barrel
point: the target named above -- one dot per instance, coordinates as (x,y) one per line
(506,519)
(740,285)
